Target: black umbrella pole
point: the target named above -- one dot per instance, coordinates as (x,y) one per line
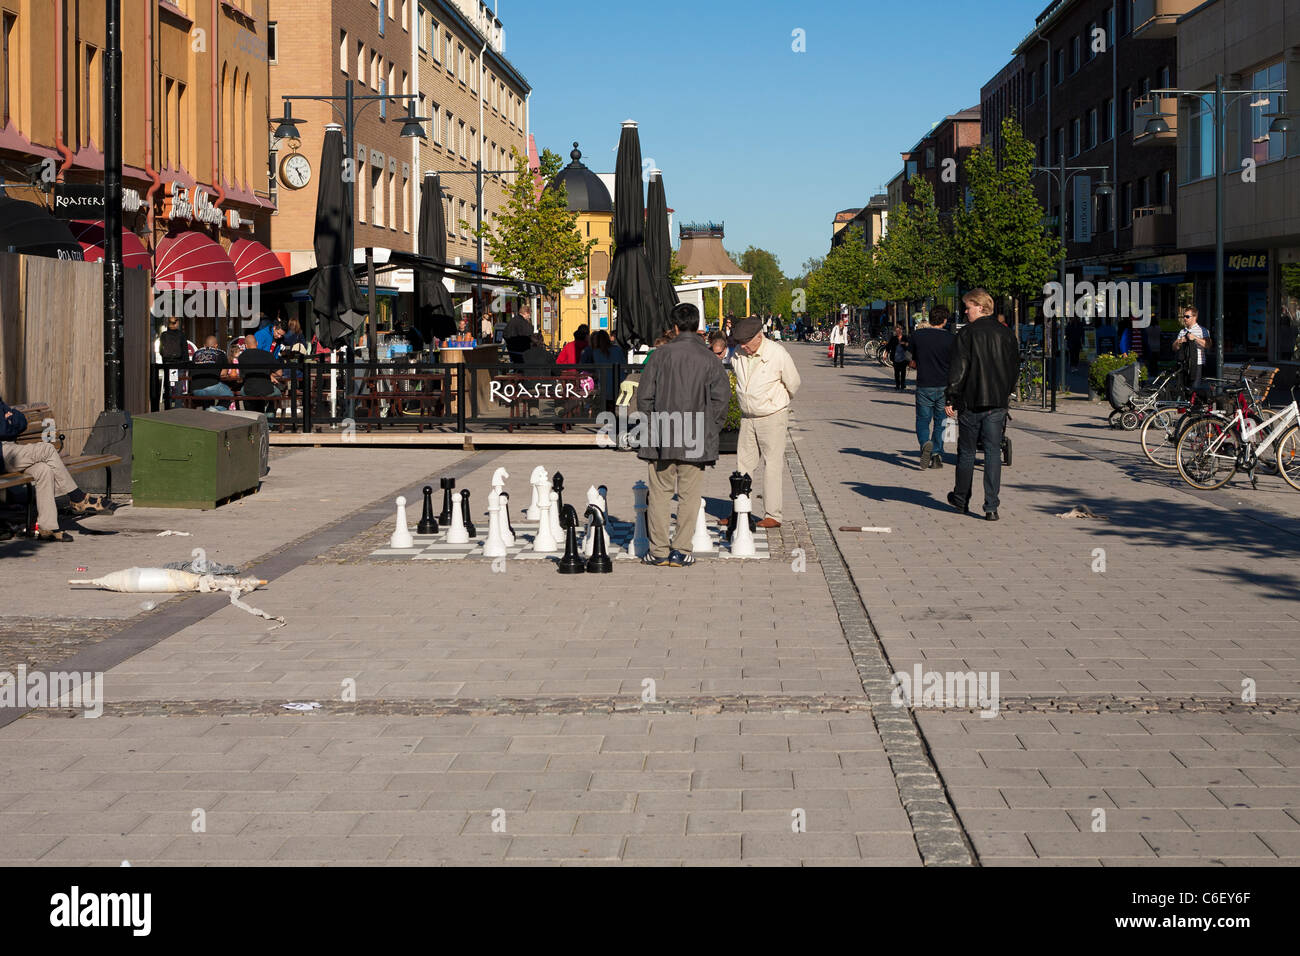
(114,385)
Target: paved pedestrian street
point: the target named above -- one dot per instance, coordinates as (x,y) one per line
(1138,672)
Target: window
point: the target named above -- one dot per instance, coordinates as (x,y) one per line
(377,195)
(271,39)
(362,179)
(361,62)
(163,120)
(1200,139)
(343,52)
(1060,67)
(460,62)
(1091,52)
(1110,27)
(1125,110)
(393,213)
(911,168)
(460,137)
(1101,214)
(9,72)
(1042,78)
(376,64)
(460,219)
(929,157)
(1075,136)
(1144,190)
(1107,120)
(478,147)
(1030,93)
(1257,142)
(447,49)
(1060,142)
(92,112)
(383,104)
(1166,78)
(1044,159)
(1125,16)
(435,41)
(1126,206)
(380,8)
(451,218)
(1090,130)
(1163,186)
(450,139)
(473,73)
(1075,60)
(405,21)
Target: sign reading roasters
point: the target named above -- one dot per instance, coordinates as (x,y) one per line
(86,200)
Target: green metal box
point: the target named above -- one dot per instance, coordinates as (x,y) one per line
(188,458)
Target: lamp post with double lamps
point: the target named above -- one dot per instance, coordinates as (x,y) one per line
(1063,175)
(1219,99)
(412,128)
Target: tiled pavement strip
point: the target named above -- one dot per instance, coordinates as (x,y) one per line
(760,710)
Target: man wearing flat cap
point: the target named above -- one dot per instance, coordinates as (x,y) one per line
(766,381)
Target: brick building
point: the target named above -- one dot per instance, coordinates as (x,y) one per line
(194,101)
(450,54)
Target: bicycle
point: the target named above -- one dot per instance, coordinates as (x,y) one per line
(1212,450)
(1161,431)
(1030,384)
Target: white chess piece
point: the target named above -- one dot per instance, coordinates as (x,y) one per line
(499,479)
(495,545)
(457,533)
(544,542)
(557,532)
(701,543)
(401,533)
(541,485)
(742,542)
(639,546)
(507,536)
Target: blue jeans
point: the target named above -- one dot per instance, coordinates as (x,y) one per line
(987,426)
(220,389)
(930,416)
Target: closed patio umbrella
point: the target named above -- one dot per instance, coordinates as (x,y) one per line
(335,298)
(28,229)
(435,315)
(658,247)
(630,284)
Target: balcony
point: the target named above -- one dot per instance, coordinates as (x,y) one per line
(1158,19)
(1154,226)
(1148,107)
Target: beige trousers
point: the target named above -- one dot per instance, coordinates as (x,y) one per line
(41,461)
(764,438)
(667,477)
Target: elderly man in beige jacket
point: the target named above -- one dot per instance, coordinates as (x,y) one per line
(766,381)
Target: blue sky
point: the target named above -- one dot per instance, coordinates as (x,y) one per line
(747,131)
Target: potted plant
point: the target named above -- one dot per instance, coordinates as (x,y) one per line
(730,436)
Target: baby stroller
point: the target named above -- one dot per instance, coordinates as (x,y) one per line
(1006,445)
(1130,403)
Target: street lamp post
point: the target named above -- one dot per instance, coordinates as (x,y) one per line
(1063,176)
(412,128)
(1281,124)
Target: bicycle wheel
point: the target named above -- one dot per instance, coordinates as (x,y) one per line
(1159,438)
(1288,456)
(1207,453)
(1129,421)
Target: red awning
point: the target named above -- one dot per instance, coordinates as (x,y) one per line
(90,233)
(189,258)
(254,263)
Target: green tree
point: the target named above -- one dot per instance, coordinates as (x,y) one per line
(536,238)
(914,261)
(1000,240)
(765,287)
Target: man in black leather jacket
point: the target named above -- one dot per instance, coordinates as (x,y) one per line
(985,365)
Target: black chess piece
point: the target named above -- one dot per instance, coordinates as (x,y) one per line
(428,523)
(557,486)
(505,511)
(599,562)
(739,485)
(464,513)
(571,563)
(446,484)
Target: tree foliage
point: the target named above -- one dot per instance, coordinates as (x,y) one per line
(914,261)
(766,285)
(1000,241)
(536,238)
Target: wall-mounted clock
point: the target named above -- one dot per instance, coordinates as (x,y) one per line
(295,170)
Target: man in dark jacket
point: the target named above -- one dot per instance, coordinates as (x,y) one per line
(985,364)
(518,334)
(684,392)
(932,356)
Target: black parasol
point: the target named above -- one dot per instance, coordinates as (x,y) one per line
(630,284)
(335,298)
(658,248)
(435,316)
(28,229)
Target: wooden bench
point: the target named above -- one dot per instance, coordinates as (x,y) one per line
(37,415)
(1260,378)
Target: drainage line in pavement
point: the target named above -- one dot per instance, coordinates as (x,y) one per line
(937,829)
(178,614)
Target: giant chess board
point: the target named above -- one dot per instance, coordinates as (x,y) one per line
(434,547)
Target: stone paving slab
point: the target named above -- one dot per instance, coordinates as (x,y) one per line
(257,809)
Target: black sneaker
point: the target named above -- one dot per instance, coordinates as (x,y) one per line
(936,461)
(990,516)
(927,455)
(654,562)
(680,559)
(953,500)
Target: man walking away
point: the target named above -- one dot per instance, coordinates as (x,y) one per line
(985,365)
(899,356)
(685,392)
(932,355)
(839,339)
(519,334)
(766,381)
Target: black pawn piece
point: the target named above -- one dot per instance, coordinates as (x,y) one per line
(571,563)
(464,513)
(557,486)
(428,523)
(599,562)
(505,511)
(446,484)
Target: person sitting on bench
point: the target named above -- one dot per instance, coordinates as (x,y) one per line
(41,462)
